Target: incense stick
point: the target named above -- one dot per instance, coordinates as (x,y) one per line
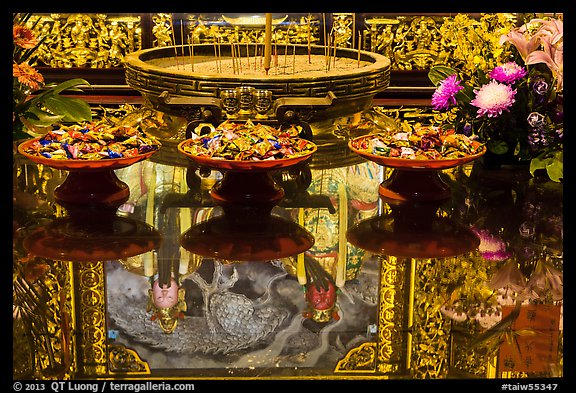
(353,29)
(285,54)
(359,44)
(294,59)
(267,42)
(192,52)
(219,55)
(325,42)
(309,39)
(248,56)
(216,55)
(182,40)
(174,41)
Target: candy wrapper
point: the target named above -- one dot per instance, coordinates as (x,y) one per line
(420,143)
(93,141)
(249,141)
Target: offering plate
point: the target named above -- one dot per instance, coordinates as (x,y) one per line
(89,183)
(412,180)
(246,184)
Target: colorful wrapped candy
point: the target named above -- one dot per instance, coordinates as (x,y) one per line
(93,141)
(420,143)
(249,141)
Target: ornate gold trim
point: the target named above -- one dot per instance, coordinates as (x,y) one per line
(122,360)
(359,359)
(90,309)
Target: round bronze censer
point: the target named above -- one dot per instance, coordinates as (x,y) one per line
(310,85)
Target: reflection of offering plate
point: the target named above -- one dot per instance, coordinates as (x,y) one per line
(412,179)
(236,239)
(246,183)
(92,240)
(391,235)
(89,182)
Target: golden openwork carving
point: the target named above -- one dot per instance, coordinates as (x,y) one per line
(91,311)
(86,40)
(123,360)
(387,354)
(360,359)
(411,42)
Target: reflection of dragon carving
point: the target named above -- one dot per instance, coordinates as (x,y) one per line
(231,322)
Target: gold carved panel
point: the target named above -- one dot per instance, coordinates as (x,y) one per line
(85,40)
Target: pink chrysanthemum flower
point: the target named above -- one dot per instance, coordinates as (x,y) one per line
(508,73)
(493,98)
(444,96)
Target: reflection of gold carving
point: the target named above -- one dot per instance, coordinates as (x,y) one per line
(385,356)
(431,330)
(390,316)
(42,339)
(126,361)
(85,40)
(91,312)
(360,359)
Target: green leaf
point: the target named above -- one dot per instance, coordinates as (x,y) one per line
(554,165)
(70,84)
(438,73)
(497,146)
(466,94)
(538,162)
(71,109)
(555,170)
(39,117)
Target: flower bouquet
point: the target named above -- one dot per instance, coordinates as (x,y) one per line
(516,107)
(37,105)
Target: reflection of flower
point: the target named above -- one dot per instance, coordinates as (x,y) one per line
(515,107)
(36,104)
(492,248)
(509,277)
(545,280)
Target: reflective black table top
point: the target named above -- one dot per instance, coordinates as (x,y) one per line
(332,283)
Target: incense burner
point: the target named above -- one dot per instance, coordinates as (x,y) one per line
(169,79)
(306,84)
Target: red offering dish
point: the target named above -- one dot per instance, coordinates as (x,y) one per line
(440,238)
(412,179)
(245,165)
(247,181)
(414,164)
(89,182)
(81,165)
